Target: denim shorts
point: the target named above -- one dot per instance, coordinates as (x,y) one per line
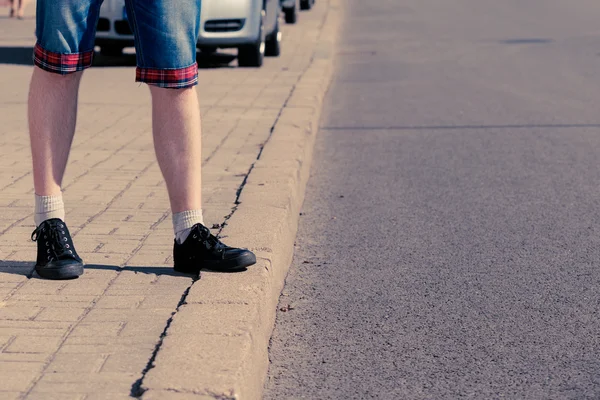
(165,33)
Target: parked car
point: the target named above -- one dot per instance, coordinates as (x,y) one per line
(290,10)
(306,4)
(251,26)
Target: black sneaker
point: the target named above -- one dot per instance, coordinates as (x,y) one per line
(202,250)
(56,255)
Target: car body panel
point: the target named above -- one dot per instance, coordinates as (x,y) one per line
(288,3)
(248,11)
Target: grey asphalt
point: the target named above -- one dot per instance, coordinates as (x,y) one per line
(450,242)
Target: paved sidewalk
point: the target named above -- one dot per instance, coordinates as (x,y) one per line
(94,337)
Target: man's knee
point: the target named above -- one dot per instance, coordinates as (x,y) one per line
(44,78)
(170,93)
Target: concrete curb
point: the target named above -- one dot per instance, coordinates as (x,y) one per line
(216,346)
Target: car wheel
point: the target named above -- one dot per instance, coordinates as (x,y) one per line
(253,55)
(111,50)
(306,4)
(291,14)
(273,43)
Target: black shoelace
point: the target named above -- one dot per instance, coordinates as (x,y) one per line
(207,239)
(55,239)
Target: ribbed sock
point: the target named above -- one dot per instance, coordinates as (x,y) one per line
(183,223)
(48,207)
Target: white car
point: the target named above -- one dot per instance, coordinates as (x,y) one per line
(251,26)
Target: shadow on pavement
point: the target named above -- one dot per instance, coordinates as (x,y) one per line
(138,270)
(16,268)
(16,55)
(23,56)
(154,270)
(27,269)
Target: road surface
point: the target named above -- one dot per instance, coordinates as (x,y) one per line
(450,239)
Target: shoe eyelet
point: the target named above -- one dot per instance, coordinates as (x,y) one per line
(195,237)
(63,232)
(61,225)
(49,258)
(48,251)
(45,237)
(67,246)
(65,239)
(47,244)
(71,251)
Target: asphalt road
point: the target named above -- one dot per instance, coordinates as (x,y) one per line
(450,242)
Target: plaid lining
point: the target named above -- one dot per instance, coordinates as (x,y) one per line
(61,63)
(168,78)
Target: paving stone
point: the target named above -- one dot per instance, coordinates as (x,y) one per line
(60,314)
(34,344)
(126,363)
(19,313)
(23,357)
(165,395)
(56,396)
(97,329)
(145,326)
(129,342)
(5,340)
(18,381)
(169,300)
(120,302)
(6,395)
(21,366)
(86,363)
(107,396)
(107,348)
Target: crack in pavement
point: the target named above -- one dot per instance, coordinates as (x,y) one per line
(137,389)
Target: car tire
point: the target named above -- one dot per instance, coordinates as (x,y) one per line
(273,43)
(111,50)
(291,14)
(253,55)
(306,4)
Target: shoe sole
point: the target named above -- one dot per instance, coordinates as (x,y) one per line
(232,265)
(71,271)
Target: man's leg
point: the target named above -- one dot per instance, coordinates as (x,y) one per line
(166,60)
(52,116)
(65,33)
(177,141)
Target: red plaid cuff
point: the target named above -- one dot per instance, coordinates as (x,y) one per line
(168,78)
(61,63)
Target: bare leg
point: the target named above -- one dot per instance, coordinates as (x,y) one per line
(52,116)
(177,142)
(22,5)
(13,8)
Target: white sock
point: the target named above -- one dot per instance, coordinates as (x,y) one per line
(183,223)
(48,207)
